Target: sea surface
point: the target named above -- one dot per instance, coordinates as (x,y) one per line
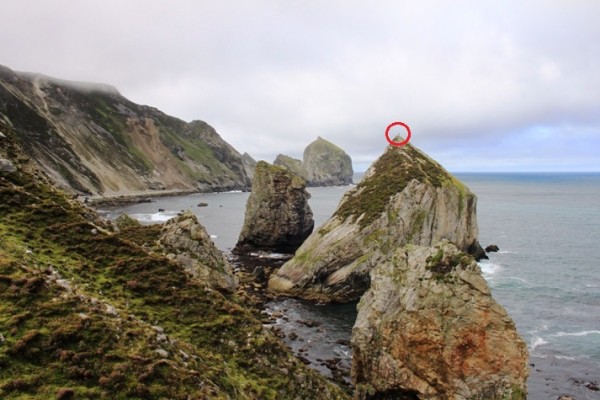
(546,274)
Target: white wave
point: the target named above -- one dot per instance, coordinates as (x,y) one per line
(581,333)
(518,279)
(537,341)
(566,358)
(489,269)
(213,236)
(156,217)
(507,252)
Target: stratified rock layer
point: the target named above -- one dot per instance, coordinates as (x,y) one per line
(404,198)
(429,327)
(278,217)
(187,243)
(325,164)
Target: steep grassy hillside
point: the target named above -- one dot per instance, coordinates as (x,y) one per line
(88,313)
(91,139)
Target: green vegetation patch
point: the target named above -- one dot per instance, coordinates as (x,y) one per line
(393,171)
(87,314)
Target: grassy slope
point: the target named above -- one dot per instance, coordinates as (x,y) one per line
(77,311)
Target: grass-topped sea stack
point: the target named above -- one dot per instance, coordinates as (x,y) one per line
(278,217)
(405,197)
(427,326)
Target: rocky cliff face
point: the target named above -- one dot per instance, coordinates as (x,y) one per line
(187,243)
(278,217)
(249,165)
(428,327)
(404,198)
(325,164)
(92,140)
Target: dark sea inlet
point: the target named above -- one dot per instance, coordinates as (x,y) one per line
(546,274)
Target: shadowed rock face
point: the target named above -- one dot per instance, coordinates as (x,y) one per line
(404,198)
(429,326)
(90,139)
(278,217)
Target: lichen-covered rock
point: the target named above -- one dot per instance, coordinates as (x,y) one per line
(428,326)
(293,164)
(404,198)
(278,217)
(186,242)
(325,164)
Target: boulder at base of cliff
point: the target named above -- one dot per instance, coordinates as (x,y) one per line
(186,242)
(405,197)
(429,327)
(278,217)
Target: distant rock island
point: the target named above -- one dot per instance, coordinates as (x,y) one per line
(324,164)
(92,140)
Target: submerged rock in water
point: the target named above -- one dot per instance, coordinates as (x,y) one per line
(187,243)
(429,326)
(278,217)
(404,198)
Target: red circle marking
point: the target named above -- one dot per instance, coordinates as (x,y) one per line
(397,144)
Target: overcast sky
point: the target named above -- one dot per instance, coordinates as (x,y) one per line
(484,85)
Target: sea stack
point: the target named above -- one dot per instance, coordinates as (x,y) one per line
(325,164)
(427,326)
(278,217)
(404,198)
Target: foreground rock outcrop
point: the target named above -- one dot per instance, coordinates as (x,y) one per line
(90,139)
(404,198)
(186,242)
(428,327)
(278,217)
(323,164)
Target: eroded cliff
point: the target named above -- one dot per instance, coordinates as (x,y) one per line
(92,140)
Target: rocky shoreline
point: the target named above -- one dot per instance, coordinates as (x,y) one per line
(253,273)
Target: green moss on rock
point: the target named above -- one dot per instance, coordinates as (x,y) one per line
(391,173)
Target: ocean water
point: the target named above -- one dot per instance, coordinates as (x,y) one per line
(546,274)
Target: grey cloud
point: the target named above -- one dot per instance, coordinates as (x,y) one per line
(271,76)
